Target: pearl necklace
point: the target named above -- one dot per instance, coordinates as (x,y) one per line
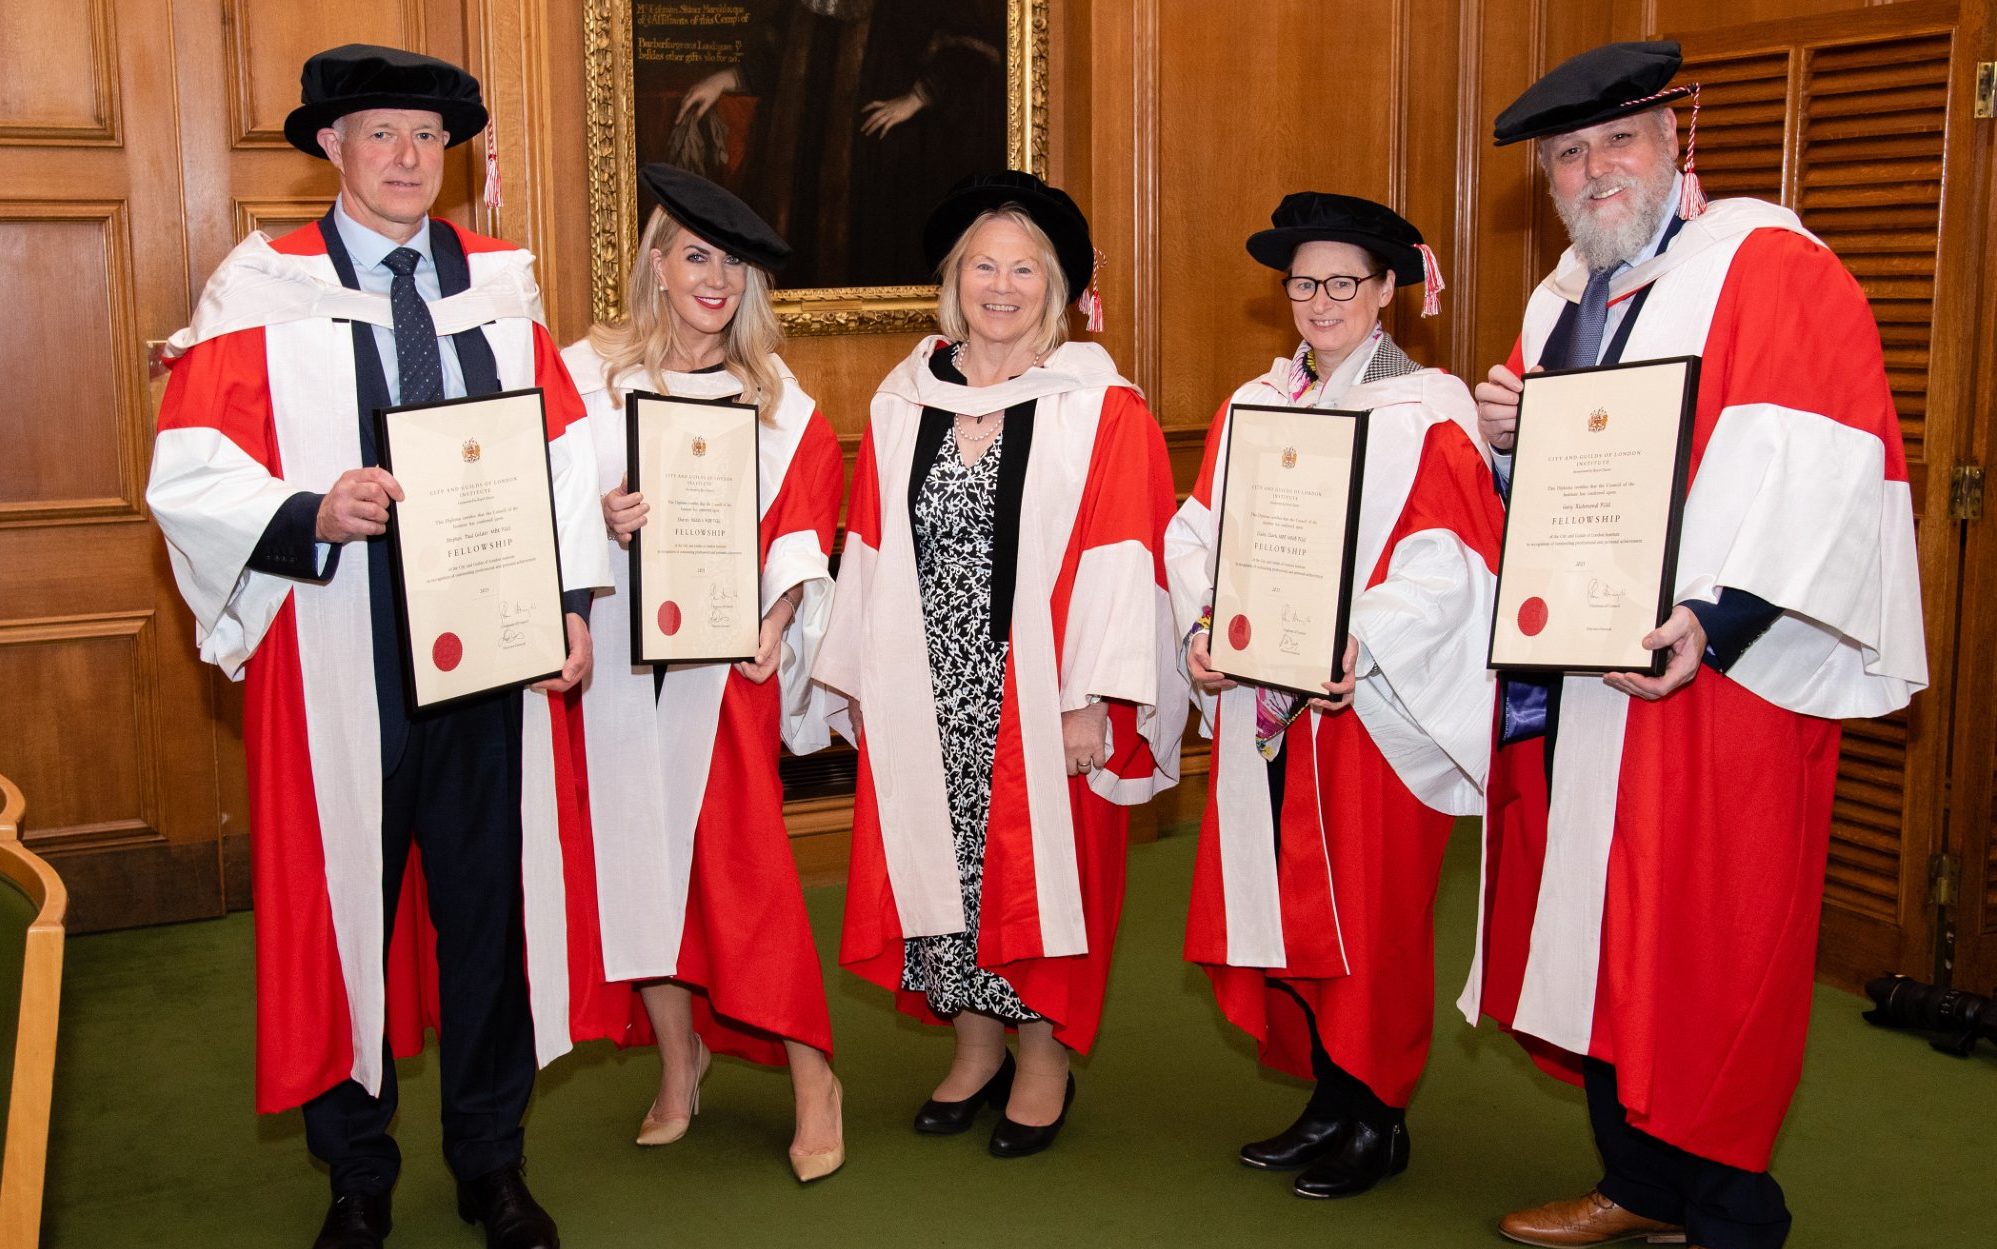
(975,439)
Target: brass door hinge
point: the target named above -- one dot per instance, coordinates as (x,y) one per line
(1965,492)
(1944,879)
(1986,89)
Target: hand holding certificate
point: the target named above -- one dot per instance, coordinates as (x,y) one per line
(1289,523)
(1591,529)
(696,576)
(472,546)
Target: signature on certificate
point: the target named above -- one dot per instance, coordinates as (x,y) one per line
(1291,640)
(1602,594)
(720,606)
(514,620)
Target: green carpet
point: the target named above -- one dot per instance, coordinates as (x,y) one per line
(154,1142)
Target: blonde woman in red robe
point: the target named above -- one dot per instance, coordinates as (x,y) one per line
(1314,884)
(697,894)
(1002,646)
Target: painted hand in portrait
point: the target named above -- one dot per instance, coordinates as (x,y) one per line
(842,122)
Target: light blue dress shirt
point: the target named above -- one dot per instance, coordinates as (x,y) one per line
(367,250)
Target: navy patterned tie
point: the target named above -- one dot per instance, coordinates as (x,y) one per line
(416,360)
(1582,352)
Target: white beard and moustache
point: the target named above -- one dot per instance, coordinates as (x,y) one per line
(1606,246)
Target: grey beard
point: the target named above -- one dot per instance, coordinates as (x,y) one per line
(1605,247)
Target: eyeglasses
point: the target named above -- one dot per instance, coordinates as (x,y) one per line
(1339,286)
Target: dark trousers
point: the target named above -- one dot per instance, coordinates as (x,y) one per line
(1721,1207)
(455,793)
(1338,1091)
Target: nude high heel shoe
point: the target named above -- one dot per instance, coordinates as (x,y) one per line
(816,1166)
(658,1129)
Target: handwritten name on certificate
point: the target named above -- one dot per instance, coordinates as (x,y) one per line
(474,549)
(1288,524)
(696,575)
(1591,529)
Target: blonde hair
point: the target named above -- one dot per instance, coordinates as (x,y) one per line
(647,334)
(1053,328)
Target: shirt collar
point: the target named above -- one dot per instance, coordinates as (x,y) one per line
(367,247)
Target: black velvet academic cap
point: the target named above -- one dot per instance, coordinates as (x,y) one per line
(1599,85)
(714,213)
(1047,206)
(361,76)
(1307,216)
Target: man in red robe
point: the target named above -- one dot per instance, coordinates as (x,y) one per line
(1655,846)
(267,484)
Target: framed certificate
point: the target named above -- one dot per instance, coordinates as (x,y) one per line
(1591,530)
(1289,524)
(472,547)
(696,575)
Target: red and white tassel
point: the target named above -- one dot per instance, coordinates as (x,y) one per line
(1692,197)
(1431,281)
(492,189)
(1090,304)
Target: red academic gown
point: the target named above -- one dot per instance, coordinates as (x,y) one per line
(1346,919)
(1090,619)
(1706,870)
(694,877)
(261,405)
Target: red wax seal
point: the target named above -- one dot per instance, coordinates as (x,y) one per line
(669,617)
(1237,633)
(446,651)
(1532,616)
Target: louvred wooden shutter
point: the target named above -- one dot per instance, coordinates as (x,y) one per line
(1845,119)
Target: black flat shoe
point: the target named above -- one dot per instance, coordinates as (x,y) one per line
(512,1218)
(1017,1140)
(1311,1137)
(355,1221)
(1372,1152)
(949,1118)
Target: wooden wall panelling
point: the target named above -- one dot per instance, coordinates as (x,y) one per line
(1263,100)
(58,75)
(80,459)
(103,194)
(514,55)
(267,41)
(97,756)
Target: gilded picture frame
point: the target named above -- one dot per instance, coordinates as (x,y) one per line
(610,77)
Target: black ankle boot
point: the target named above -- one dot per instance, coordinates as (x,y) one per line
(949,1118)
(1375,1148)
(1317,1132)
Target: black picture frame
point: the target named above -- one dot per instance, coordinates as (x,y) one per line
(1342,620)
(384,444)
(633,478)
(1674,520)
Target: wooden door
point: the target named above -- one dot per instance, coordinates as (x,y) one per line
(1861,123)
(138,140)
(1968,876)
(98,679)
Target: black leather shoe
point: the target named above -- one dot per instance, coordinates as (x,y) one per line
(355,1221)
(1371,1152)
(512,1218)
(1017,1140)
(949,1118)
(1311,1137)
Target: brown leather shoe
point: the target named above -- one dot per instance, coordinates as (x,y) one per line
(1587,1220)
